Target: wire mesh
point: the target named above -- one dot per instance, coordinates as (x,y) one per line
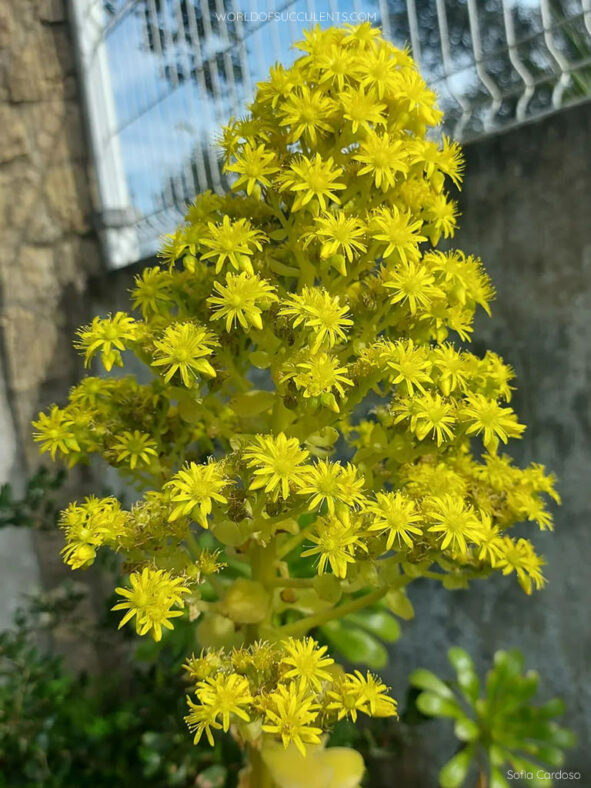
(179,69)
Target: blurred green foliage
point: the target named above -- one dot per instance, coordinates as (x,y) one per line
(37,507)
(59,730)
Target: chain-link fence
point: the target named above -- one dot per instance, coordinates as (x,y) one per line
(161,76)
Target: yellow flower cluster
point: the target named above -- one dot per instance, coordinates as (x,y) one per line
(289,690)
(150,600)
(305,316)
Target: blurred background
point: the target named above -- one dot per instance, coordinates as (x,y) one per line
(109,112)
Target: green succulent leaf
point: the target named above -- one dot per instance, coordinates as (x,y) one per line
(378,622)
(355,644)
(455,771)
(435,706)
(538,778)
(426,680)
(497,780)
(466,672)
(466,730)
(399,604)
(553,756)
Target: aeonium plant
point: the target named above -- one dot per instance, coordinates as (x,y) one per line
(499,725)
(308,436)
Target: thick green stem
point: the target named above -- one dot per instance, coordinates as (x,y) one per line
(293,582)
(294,541)
(262,560)
(304,625)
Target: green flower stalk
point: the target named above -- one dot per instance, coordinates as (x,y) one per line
(313,434)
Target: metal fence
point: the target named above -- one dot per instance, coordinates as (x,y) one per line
(161,76)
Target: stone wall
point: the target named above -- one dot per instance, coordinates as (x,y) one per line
(47,245)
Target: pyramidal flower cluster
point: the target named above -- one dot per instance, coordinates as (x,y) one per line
(314,433)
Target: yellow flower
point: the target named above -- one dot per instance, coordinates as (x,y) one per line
(336,539)
(384,158)
(278,464)
(339,233)
(453,367)
(89,525)
(320,312)
(411,91)
(413,284)
(225,696)
(455,521)
(306,112)
(307,662)
(490,540)
(398,232)
(253,165)
(395,515)
(441,216)
(362,109)
(290,716)
(277,87)
(237,301)
(151,598)
(234,242)
(330,483)
(152,293)
(194,490)
(109,336)
(200,720)
(319,376)
(199,668)
(336,65)
(520,557)
(183,348)
(345,700)
(314,182)
(135,447)
(363,35)
(487,417)
(428,413)
(56,432)
(175,245)
(451,160)
(373,695)
(378,69)
(411,364)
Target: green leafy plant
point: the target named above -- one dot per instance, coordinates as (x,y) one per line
(499,723)
(37,506)
(62,730)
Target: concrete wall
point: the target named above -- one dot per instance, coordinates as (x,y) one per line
(47,249)
(526,212)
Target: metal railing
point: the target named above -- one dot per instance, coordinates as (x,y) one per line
(161,76)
